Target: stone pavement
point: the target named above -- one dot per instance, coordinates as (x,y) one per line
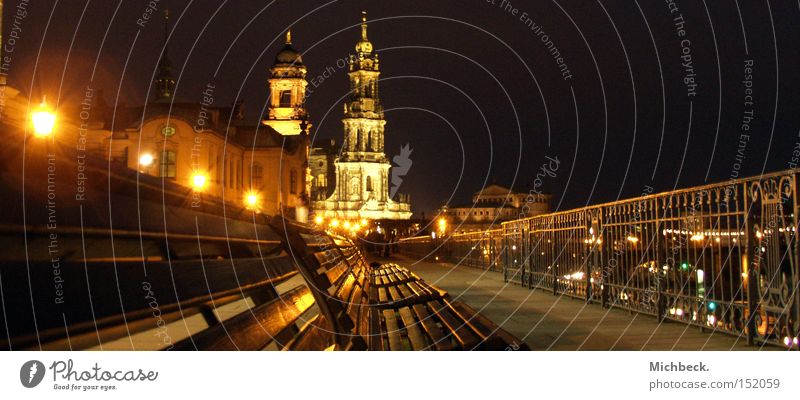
(548,322)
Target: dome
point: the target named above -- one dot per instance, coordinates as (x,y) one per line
(289,56)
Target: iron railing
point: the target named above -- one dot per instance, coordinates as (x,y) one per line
(723,257)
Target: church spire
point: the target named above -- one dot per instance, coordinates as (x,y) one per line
(364,46)
(165,83)
(364,26)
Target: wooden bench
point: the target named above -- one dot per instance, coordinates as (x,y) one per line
(315,292)
(382,307)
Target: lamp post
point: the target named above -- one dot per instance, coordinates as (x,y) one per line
(199,181)
(43,120)
(252,200)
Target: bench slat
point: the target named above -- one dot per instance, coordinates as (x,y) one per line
(457,328)
(253,329)
(392,331)
(416,337)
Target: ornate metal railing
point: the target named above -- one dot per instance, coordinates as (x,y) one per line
(723,257)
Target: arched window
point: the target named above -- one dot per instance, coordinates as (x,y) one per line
(167,164)
(369,183)
(322,181)
(257,181)
(286,99)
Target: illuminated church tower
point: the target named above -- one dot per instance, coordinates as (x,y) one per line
(362,169)
(287,85)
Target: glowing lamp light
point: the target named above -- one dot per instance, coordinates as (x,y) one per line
(364,222)
(712,306)
(319,220)
(199,181)
(787,341)
(334,223)
(633,239)
(684,265)
(346,224)
(251,199)
(146,160)
(43,121)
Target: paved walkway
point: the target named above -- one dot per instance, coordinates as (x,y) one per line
(548,322)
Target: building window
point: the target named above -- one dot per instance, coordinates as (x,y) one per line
(322,181)
(257,181)
(369,183)
(293,182)
(286,99)
(167,164)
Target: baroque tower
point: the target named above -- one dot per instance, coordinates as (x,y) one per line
(287,86)
(362,168)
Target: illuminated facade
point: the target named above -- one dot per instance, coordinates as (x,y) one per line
(361,169)
(212,149)
(492,205)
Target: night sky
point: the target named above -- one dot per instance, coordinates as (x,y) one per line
(470,85)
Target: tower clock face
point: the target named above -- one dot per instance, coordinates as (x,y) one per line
(168,131)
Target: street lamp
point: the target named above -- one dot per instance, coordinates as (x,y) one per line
(251,199)
(43,120)
(146,160)
(199,181)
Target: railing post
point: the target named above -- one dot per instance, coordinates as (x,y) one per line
(505,255)
(750,266)
(587,274)
(551,252)
(661,256)
(604,272)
